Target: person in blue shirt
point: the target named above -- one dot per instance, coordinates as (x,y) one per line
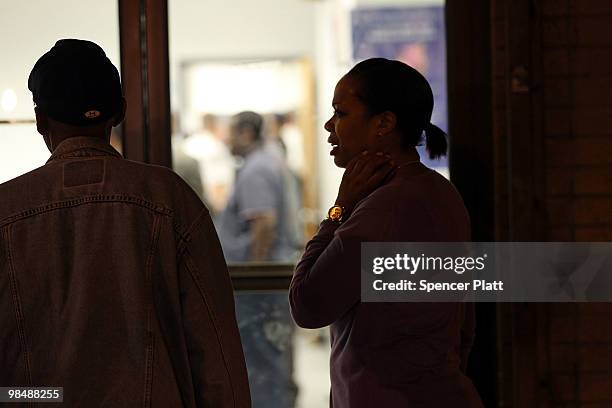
(255,228)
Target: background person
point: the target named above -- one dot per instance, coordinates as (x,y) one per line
(208,147)
(255,224)
(183,164)
(385,354)
(253,228)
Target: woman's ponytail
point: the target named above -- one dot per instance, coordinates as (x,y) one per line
(435,141)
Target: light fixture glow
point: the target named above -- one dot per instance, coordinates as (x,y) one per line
(8,100)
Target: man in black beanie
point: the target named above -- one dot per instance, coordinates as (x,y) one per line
(112,280)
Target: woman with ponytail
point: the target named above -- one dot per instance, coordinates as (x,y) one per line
(385,354)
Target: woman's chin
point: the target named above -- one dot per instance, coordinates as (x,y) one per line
(339,162)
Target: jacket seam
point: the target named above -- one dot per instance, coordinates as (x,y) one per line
(85,152)
(17,305)
(158,208)
(213,317)
(84,200)
(150,351)
(185,237)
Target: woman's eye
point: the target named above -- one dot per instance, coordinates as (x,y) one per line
(338,113)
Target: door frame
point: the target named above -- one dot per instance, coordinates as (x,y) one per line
(147,131)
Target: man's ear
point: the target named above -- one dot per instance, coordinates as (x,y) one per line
(42,122)
(121,114)
(387,122)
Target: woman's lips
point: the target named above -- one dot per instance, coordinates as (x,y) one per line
(333,151)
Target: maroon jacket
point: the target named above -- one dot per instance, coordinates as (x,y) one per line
(389,354)
(113,285)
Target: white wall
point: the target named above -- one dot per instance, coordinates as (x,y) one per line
(28,29)
(237,29)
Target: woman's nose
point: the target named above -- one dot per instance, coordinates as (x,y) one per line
(329,126)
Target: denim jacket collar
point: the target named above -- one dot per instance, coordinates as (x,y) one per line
(74,147)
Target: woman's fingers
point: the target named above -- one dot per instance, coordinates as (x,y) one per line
(351,164)
(360,161)
(374,162)
(363,175)
(379,174)
(364,166)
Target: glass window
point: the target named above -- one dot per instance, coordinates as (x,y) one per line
(287,366)
(21,148)
(280,60)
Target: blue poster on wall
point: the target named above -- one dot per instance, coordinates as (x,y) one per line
(414,35)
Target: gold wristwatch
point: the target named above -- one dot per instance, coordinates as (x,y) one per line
(336,213)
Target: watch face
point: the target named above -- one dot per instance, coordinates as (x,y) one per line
(335,213)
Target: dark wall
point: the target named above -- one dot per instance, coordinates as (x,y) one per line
(552,132)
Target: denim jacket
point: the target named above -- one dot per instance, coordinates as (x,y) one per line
(113,285)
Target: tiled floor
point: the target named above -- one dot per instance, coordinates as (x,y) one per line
(311,365)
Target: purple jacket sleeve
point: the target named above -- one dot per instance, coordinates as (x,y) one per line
(326,280)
